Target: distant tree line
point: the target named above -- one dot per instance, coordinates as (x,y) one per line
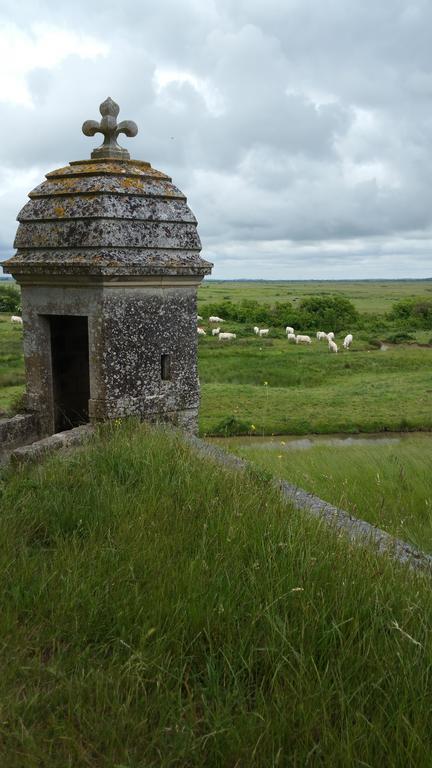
(315,312)
(334,313)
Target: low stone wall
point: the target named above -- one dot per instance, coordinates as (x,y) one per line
(41,448)
(18,430)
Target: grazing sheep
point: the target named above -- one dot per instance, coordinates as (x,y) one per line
(291,337)
(16,319)
(330,335)
(288,330)
(256,329)
(199,317)
(214,319)
(348,341)
(227,336)
(303,340)
(201,332)
(321,336)
(215,331)
(332,346)
(263,332)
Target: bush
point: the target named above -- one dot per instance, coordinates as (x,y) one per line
(416,312)
(317,312)
(400,337)
(329,312)
(252,312)
(231,426)
(10,298)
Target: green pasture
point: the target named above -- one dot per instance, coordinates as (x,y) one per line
(271,386)
(373,296)
(159,610)
(389,485)
(11,362)
(307,390)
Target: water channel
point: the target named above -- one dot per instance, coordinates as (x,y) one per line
(305,442)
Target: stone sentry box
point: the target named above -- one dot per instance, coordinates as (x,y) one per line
(108,259)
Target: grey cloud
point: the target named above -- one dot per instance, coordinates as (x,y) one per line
(323,131)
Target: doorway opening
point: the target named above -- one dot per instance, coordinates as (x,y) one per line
(70,370)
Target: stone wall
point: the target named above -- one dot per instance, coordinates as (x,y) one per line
(18,430)
(130,326)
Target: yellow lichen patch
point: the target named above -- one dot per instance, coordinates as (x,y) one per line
(132,182)
(56,172)
(59,211)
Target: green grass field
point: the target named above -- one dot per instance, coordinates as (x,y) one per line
(160,611)
(307,390)
(11,363)
(375,296)
(310,390)
(389,485)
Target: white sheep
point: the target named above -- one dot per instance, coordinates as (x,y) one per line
(201,332)
(263,332)
(291,337)
(199,317)
(288,330)
(321,336)
(332,346)
(348,341)
(303,340)
(215,331)
(214,319)
(256,329)
(227,336)
(330,336)
(16,319)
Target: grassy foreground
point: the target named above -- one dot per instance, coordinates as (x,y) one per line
(158,610)
(388,485)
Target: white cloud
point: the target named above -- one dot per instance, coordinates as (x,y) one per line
(42,46)
(211,95)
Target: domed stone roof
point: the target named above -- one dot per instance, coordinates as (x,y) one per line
(107,216)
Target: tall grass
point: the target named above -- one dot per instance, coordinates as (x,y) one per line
(158,610)
(388,485)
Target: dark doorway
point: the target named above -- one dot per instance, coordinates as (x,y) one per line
(70,370)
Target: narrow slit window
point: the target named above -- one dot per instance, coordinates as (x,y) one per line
(166,367)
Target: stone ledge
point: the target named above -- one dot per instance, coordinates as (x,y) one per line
(18,430)
(41,448)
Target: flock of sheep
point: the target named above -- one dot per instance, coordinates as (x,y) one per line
(291,335)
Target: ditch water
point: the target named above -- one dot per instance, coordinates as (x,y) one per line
(293,443)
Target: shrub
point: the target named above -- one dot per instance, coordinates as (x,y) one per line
(417,312)
(10,298)
(251,311)
(231,426)
(401,337)
(330,312)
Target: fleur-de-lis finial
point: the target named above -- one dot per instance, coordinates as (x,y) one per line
(110,129)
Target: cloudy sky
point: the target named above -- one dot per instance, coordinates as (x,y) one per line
(300,130)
